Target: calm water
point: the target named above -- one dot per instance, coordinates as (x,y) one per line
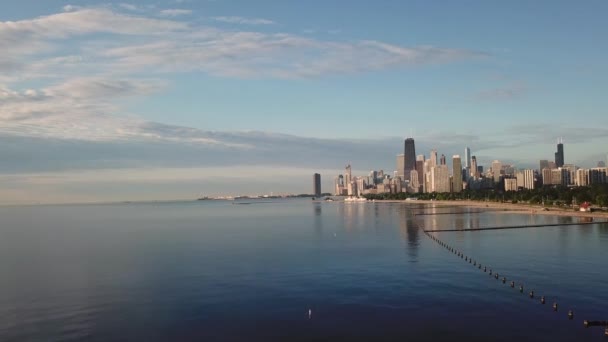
(216,271)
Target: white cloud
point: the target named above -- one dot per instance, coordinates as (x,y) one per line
(175,12)
(243,21)
(144,44)
(253,54)
(70,8)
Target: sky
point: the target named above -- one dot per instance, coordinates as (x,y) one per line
(175,99)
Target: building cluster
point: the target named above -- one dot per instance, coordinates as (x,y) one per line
(417,173)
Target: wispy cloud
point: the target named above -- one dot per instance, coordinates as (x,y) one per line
(165,45)
(175,12)
(243,21)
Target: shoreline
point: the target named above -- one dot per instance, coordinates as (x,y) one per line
(508,208)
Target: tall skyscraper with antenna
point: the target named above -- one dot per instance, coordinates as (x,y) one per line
(559,155)
(409,153)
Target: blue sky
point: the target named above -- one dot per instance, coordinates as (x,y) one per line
(171,99)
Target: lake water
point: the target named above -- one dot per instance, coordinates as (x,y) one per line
(213,270)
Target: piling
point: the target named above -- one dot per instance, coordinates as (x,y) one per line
(595,323)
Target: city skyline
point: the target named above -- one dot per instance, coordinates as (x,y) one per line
(433,176)
(172,99)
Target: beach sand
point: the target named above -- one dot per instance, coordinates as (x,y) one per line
(509,207)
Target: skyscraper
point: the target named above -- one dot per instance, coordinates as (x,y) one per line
(474,172)
(456,174)
(420,170)
(433,159)
(409,157)
(401,166)
(559,155)
(316,178)
(529,179)
(347,175)
(496,168)
(440,179)
(467,157)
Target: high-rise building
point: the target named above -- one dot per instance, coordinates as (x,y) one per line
(510,184)
(442,160)
(316,178)
(496,169)
(559,155)
(582,177)
(597,176)
(426,184)
(401,166)
(556,176)
(420,169)
(433,159)
(519,176)
(467,157)
(440,179)
(410,157)
(414,185)
(529,179)
(546,173)
(373,175)
(360,185)
(474,172)
(456,173)
(339,185)
(570,174)
(347,175)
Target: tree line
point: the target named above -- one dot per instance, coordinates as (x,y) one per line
(596,194)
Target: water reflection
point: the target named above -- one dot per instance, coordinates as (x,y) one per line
(318,211)
(410,231)
(474,221)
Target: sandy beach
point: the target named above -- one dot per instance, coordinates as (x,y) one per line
(509,207)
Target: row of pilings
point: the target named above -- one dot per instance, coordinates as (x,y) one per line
(512,283)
